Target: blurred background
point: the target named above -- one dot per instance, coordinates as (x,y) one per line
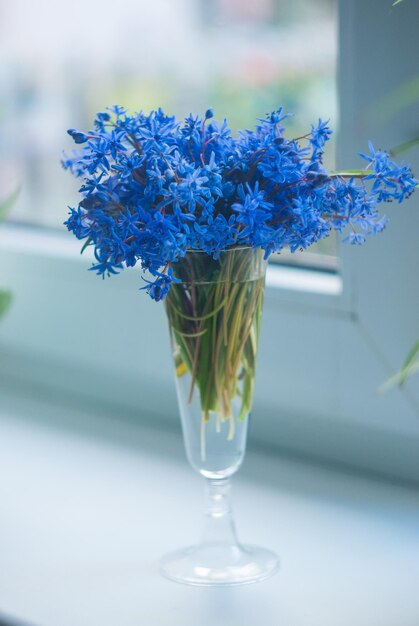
(90,443)
(62,63)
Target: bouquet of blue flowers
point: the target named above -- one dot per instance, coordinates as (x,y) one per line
(155,189)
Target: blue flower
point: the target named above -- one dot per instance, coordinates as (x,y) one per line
(77,224)
(153,188)
(320,134)
(159,288)
(77,135)
(355,238)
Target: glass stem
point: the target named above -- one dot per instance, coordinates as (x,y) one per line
(219,525)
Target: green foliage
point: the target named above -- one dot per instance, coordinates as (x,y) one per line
(5,300)
(350,173)
(411,364)
(404,147)
(5,294)
(409,367)
(7,204)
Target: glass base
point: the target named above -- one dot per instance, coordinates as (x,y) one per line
(219,564)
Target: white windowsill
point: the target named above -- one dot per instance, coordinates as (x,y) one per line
(305,280)
(90,504)
(49,243)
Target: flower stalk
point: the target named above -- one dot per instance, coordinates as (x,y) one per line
(214,314)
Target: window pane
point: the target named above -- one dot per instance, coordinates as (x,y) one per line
(61,62)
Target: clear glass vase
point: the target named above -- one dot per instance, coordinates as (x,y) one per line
(214,314)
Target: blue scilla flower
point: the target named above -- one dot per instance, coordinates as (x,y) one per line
(77,223)
(159,288)
(152,188)
(253,211)
(355,238)
(320,134)
(77,135)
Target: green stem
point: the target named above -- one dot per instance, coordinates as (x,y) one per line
(215,314)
